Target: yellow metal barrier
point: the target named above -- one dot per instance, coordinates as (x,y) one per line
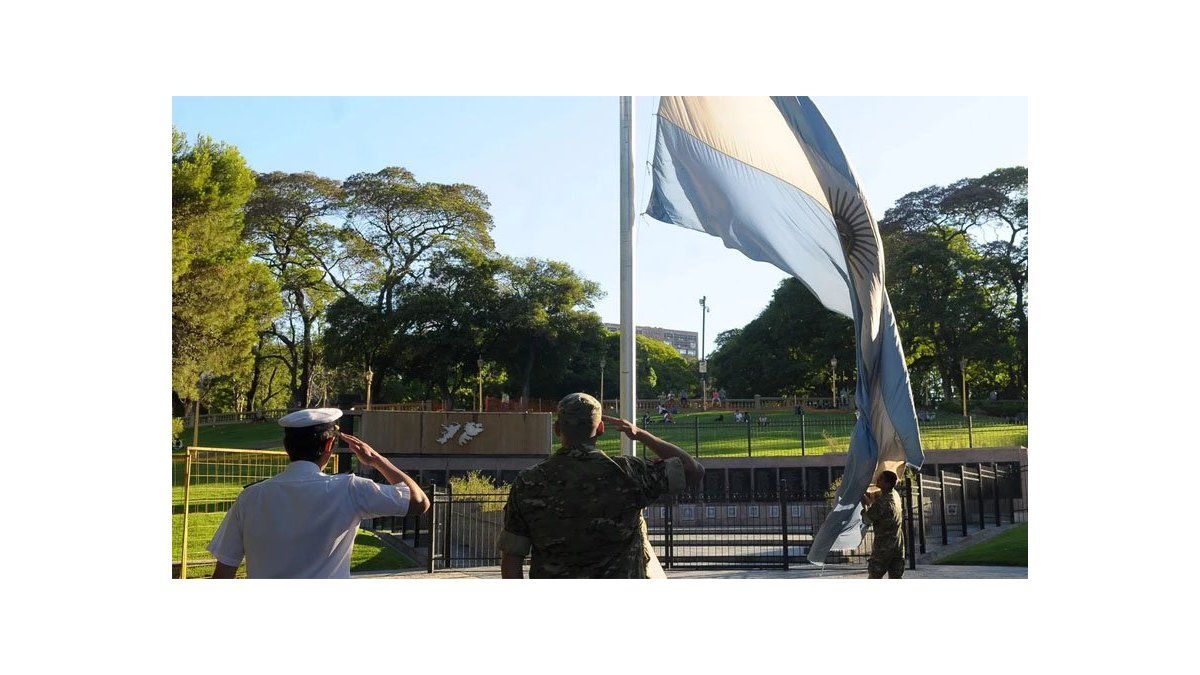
(207,484)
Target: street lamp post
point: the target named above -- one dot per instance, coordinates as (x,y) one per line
(703,366)
(601,382)
(370,376)
(480,363)
(833,380)
(962,365)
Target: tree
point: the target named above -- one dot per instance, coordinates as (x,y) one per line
(432,330)
(999,203)
(786,350)
(395,228)
(286,219)
(945,308)
(538,328)
(452,318)
(660,367)
(220,299)
(965,244)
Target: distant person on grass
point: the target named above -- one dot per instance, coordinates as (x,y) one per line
(882,511)
(301,524)
(578,514)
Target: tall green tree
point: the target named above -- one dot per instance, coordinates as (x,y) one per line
(786,350)
(394,228)
(452,319)
(960,255)
(997,204)
(395,225)
(945,307)
(538,328)
(220,298)
(287,218)
(660,367)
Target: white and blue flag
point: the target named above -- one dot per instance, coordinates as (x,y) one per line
(767,176)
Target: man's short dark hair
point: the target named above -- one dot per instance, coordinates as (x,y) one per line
(306,443)
(890,476)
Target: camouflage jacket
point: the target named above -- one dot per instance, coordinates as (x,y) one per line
(579,513)
(886,517)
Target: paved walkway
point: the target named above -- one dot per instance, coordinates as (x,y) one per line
(925,567)
(807,572)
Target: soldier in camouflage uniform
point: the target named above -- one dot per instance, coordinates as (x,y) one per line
(578,514)
(882,510)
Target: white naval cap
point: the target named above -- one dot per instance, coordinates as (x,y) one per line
(310,417)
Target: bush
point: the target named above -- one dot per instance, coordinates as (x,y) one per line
(475,483)
(1002,408)
(831,491)
(985,407)
(952,406)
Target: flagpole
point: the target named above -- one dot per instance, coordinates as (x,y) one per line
(628,405)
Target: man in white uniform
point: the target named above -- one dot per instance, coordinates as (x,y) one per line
(301,523)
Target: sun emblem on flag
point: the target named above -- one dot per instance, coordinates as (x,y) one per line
(854,230)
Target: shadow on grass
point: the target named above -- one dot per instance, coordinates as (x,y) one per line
(369,553)
(372,555)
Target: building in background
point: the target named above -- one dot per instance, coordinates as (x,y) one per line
(686,342)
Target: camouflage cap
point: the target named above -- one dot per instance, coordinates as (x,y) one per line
(578,412)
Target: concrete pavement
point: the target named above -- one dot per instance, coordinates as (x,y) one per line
(806,572)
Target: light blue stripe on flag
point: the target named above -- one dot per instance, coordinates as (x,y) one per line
(751,211)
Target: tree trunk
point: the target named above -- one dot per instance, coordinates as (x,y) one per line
(306,359)
(301,366)
(293,375)
(1022,342)
(270,387)
(255,374)
(526,377)
(946,375)
(377,385)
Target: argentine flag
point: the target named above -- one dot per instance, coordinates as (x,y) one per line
(767,176)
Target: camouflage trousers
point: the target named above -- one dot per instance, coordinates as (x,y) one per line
(891,564)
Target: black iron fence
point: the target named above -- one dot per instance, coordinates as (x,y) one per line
(770,529)
(955,500)
(756,530)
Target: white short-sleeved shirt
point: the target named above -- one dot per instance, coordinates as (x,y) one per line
(301,523)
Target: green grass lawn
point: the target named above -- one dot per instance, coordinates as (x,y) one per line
(245,435)
(369,553)
(1010,549)
(213,492)
(823,433)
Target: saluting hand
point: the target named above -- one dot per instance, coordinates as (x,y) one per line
(365,453)
(623,426)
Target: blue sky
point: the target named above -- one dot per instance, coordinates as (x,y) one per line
(549,167)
